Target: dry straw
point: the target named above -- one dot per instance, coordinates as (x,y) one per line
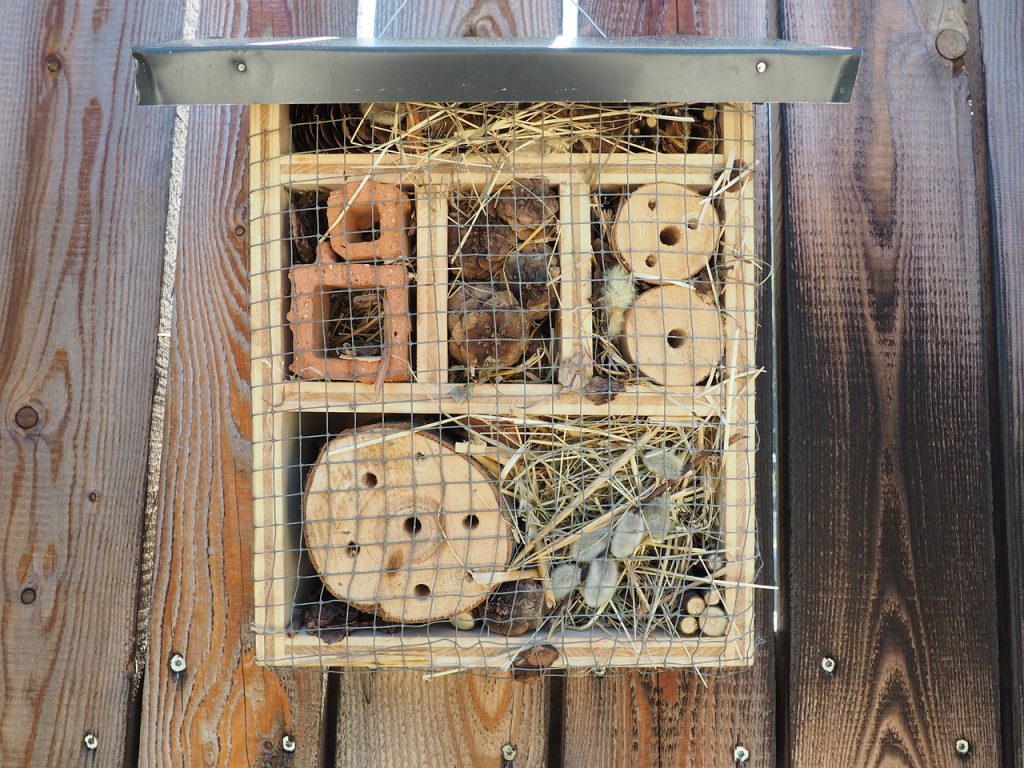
(577,489)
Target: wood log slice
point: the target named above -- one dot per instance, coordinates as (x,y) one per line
(673,336)
(665,232)
(395,522)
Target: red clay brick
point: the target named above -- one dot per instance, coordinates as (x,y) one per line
(369,203)
(309,313)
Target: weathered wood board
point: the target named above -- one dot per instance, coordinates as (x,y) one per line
(224,709)
(889,532)
(887,373)
(84,206)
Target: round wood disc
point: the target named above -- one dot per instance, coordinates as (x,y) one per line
(673,336)
(395,521)
(665,232)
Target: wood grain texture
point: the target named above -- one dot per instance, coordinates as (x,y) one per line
(890,508)
(676,718)
(225,709)
(84,202)
(396,718)
(1002,28)
(470,18)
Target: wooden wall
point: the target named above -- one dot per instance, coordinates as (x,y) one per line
(895,415)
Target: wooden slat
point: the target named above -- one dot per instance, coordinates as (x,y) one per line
(512,397)
(1002,29)
(225,709)
(678,718)
(311,171)
(470,18)
(396,718)
(84,209)
(432,287)
(890,506)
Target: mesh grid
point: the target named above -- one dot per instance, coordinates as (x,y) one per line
(503,381)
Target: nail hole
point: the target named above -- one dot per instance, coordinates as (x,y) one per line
(669,235)
(471,521)
(370,480)
(652,203)
(93,496)
(352,549)
(412,525)
(28,596)
(651,260)
(420,455)
(691,224)
(676,338)
(421,591)
(239,231)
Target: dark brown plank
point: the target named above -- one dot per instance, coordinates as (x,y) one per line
(395,718)
(890,508)
(676,718)
(83,215)
(225,709)
(1002,29)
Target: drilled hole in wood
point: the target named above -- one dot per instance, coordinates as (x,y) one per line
(421,591)
(676,338)
(651,260)
(412,525)
(669,235)
(352,549)
(652,203)
(471,521)
(370,480)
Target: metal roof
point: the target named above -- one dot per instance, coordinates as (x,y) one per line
(638,69)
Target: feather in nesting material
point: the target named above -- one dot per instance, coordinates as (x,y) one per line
(657,515)
(564,579)
(619,294)
(590,546)
(602,578)
(665,464)
(629,532)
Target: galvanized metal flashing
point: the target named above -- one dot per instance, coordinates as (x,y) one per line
(637,69)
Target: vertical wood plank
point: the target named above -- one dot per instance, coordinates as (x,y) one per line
(678,718)
(890,530)
(1002,29)
(469,18)
(397,718)
(84,210)
(225,709)
(432,284)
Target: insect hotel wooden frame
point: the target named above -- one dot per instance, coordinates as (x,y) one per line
(646,199)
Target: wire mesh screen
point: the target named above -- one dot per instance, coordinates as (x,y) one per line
(503,381)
